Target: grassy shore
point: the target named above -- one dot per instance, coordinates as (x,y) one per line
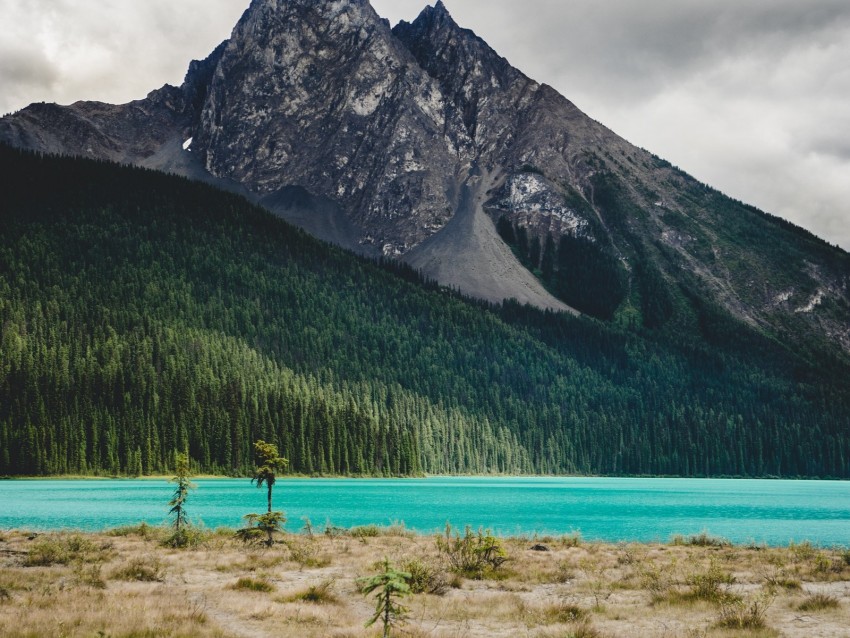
(127,584)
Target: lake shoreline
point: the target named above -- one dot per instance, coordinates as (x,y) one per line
(167,477)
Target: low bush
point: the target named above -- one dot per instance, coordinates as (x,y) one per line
(305,552)
(656,580)
(703,539)
(565,613)
(739,614)
(143,530)
(802,552)
(425,579)
(187,537)
(472,554)
(711,585)
(365,531)
(90,575)
(573,539)
(61,550)
(564,572)
(818,602)
(254,584)
(584,630)
(146,569)
(320,594)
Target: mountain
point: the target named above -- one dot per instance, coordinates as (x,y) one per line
(142,313)
(421,143)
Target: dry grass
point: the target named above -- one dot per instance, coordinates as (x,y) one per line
(126,584)
(819,602)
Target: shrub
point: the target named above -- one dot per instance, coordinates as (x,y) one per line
(254,584)
(425,579)
(365,531)
(332,531)
(585,630)
(564,572)
(58,550)
(146,570)
(802,551)
(565,613)
(708,585)
(822,563)
(573,539)
(818,602)
(145,531)
(305,553)
(657,581)
(597,582)
(90,575)
(738,614)
(472,554)
(186,537)
(320,594)
(703,539)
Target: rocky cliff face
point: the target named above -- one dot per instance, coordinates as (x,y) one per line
(321,94)
(415,141)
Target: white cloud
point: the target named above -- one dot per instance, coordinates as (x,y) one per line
(751,97)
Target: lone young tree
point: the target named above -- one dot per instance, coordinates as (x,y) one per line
(269,463)
(178,501)
(391,585)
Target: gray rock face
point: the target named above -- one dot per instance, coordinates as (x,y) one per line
(413,141)
(321,94)
(519,127)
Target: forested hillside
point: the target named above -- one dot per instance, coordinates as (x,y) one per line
(143,314)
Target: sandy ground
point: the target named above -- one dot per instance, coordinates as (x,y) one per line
(129,585)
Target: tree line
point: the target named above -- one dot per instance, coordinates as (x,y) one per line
(143,313)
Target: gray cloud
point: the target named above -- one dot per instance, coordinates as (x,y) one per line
(109,50)
(751,97)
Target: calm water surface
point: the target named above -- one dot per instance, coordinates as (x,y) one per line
(611,509)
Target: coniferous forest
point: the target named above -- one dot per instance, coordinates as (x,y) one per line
(143,314)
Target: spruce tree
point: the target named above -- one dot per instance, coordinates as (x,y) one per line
(182,478)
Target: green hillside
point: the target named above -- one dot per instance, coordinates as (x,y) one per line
(143,314)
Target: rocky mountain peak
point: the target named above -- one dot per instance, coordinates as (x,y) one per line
(475,79)
(437,14)
(322,95)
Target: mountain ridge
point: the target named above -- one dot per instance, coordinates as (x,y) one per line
(386,132)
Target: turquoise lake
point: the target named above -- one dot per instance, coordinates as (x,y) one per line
(610,509)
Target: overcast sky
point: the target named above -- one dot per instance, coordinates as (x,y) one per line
(750,96)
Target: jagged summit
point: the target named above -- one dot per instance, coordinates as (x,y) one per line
(436,12)
(416,141)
